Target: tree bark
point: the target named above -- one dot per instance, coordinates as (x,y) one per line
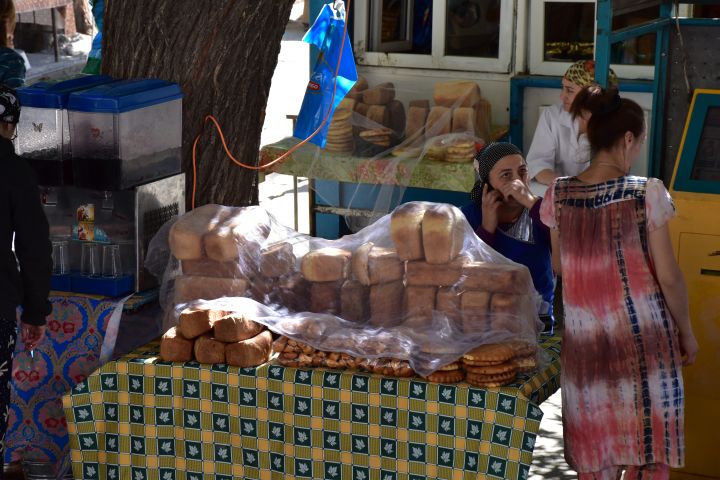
(223,54)
(83,16)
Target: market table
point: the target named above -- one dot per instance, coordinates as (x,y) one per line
(145,419)
(81,335)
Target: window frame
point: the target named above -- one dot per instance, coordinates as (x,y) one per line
(437,60)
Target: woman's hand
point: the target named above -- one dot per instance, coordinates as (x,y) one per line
(688,348)
(491,201)
(31,335)
(520,192)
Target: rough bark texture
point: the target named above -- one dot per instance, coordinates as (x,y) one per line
(83,16)
(223,54)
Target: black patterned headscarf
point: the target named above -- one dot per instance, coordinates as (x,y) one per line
(9,105)
(485,160)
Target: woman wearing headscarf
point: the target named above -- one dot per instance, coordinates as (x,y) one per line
(25,270)
(505,214)
(559,148)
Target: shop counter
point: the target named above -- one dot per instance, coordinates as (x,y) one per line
(145,419)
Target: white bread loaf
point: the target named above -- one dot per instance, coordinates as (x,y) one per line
(495,277)
(406,230)
(209,350)
(443,233)
(438,122)
(415,124)
(240,234)
(235,327)
(396,121)
(456,94)
(194,322)
(372,265)
(354,301)
(447,301)
(277,260)
(378,114)
(474,305)
(186,235)
(386,304)
(175,348)
(362,108)
(250,352)
(188,288)
(420,272)
(325,297)
(326,265)
(420,302)
(211,268)
(463,120)
(380,94)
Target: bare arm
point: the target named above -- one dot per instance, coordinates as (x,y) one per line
(546,176)
(674,289)
(555,245)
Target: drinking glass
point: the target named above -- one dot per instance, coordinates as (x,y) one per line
(90,260)
(60,257)
(111,261)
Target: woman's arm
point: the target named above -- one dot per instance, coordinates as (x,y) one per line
(674,289)
(555,245)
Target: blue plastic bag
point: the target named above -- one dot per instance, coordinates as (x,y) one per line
(326,34)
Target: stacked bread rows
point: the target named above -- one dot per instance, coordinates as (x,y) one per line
(216,336)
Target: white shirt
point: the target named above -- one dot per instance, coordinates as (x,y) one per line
(557,146)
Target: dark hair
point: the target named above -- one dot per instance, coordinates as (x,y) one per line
(612,116)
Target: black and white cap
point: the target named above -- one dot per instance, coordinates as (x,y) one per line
(9,105)
(485,160)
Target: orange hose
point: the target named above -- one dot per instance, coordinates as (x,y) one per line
(293,148)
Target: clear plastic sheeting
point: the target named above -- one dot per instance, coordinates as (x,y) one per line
(385,137)
(416,285)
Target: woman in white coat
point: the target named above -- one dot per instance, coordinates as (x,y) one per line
(559,148)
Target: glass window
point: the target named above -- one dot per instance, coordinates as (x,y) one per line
(473,28)
(401,26)
(706,11)
(707,159)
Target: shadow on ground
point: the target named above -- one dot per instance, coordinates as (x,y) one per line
(548,460)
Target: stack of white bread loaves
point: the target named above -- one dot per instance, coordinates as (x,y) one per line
(216,336)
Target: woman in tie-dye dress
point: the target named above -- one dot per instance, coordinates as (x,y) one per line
(627,324)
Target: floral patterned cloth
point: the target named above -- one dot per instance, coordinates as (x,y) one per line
(70,351)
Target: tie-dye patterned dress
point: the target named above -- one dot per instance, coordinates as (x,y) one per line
(621,380)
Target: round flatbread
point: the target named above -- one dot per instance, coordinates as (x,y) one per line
(492,353)
(454,376)
(500,369)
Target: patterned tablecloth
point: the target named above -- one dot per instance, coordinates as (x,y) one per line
(81,333)
(312,162)
(143,419)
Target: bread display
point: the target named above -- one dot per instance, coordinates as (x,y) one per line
(196,287)
(354,301)
(494,277)
(277,260)
(209,350)
(380,94)
(415,123)
(406,230)
(372,265)
(339,137)
(211,268)
(420,302)
(175,348)
(447,301)
(194,322)
(386,303)
(242,231)
(326,265)
(325,297)
(396,117)
(420,272)
(249,352)
(379,114)
(235,327)
(456,94)
(443,233)
(438,121)
(186,235)
(474,305)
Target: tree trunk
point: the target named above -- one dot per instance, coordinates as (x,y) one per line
(83,16)
(223,54)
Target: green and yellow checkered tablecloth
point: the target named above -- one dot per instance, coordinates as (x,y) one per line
(142,419)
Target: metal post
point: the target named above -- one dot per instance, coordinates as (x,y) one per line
(602,41)
(55,36)
(662,45)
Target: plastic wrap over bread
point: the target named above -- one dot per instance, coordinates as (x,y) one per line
(417,284)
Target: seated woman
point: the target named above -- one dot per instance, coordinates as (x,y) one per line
(505,214)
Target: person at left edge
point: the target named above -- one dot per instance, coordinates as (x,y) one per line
(504,213)
(26,271)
